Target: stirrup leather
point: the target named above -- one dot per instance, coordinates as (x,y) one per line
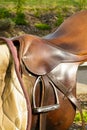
(48,108)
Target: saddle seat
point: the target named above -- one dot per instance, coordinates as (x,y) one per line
(71,34)
(67,44)
(55,58)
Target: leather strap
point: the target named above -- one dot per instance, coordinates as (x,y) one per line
(42,117)
(45,82)
(57,83)
(68,94)
(42,110)
(16,63)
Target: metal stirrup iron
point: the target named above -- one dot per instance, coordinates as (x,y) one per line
(48,108)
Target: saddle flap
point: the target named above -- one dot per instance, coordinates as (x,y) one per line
(39,56)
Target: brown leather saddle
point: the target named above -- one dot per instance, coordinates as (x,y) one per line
(53,60)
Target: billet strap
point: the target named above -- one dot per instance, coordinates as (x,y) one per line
(68,94)
(16,63)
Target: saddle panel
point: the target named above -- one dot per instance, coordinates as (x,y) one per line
(39,56)
(71,35)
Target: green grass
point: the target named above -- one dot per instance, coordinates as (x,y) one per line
(42,26)
(38,7)
(45,3)
(4,13)
(78,117)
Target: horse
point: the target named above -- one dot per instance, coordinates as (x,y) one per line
(46,72)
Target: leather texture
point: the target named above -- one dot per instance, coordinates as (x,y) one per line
(55,59)
(71,34)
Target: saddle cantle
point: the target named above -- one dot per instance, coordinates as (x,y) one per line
(71,34)
(41,55)
(52,60)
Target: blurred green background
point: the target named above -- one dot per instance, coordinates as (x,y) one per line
(45,3)
(38,17)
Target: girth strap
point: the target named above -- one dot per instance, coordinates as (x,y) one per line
(68,94)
